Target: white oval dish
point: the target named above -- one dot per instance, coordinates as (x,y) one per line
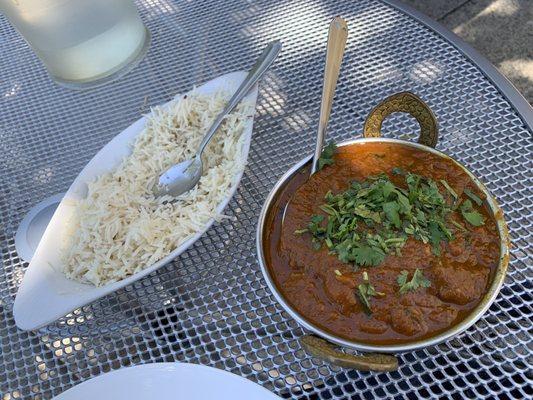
(168,381)
(45,293)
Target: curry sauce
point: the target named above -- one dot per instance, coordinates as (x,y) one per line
(323,289)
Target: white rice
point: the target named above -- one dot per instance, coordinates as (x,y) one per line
(121,228)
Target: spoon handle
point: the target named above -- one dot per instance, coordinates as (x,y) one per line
(337,35)
(262,64)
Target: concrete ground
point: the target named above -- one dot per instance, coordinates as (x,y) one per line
(501,30)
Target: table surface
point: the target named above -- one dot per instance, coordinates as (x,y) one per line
(211,305)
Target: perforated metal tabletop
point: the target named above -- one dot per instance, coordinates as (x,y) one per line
(211,305)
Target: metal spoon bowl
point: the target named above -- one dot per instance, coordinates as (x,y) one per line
(182,177)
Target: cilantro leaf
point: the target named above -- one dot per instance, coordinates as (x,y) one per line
(366,291)
(402,278)
(326,158)
(343,251)
(391,211)
(458,225)
(387,187)
(364,212)
(474,198)
(412,181)
(429,195)
(449,189)
(472,216)
(368,255)
(317,219)
(436,236)
(405,206)
(417,281)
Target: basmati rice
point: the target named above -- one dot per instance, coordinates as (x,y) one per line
(120,228)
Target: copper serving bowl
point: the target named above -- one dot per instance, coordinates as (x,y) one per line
(322,344)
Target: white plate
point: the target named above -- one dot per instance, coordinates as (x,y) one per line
(175,381)
(45,293)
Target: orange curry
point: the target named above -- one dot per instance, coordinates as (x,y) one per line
(323,289)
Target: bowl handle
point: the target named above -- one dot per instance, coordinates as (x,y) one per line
(324,350)
(411,104)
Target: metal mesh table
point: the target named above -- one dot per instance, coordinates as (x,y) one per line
(211,305)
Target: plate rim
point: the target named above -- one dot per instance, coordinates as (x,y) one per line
(176,366)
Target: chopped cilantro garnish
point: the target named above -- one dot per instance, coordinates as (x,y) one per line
(365,291)
(326,158)
(449,189)
(417,281)
(375,217)
(470,215)
(314,225)
(436,236)
(472,196)
(367,255)
(458,225)
(391,210)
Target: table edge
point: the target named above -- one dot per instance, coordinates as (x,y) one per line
(506,88)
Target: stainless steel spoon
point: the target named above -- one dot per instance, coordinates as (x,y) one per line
(182,177)
(337,35)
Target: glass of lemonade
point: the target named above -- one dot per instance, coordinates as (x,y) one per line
(82,43)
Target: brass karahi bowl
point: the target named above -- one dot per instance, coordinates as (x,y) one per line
(322,344)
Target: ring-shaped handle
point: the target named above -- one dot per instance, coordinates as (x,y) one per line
(409,103)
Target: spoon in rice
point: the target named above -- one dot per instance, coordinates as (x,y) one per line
(182,177)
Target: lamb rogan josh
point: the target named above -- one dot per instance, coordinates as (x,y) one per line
(386,244)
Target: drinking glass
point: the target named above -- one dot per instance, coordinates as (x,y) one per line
(82,43)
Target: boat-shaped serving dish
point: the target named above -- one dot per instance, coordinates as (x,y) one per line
(46,294)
